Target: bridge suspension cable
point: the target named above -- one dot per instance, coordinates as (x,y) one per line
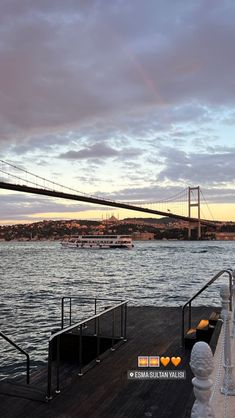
(36,176)
(208,207)
(176,203)
(33,185)
(177,197)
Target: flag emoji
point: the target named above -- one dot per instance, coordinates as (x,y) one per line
(143,361)
(154,361)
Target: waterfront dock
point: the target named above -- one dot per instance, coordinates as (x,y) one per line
(104,391)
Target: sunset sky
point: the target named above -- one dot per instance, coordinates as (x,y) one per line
(126,99)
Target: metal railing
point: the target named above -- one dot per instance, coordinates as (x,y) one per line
(21,351)
(79,327)
(81,299)
(189,302)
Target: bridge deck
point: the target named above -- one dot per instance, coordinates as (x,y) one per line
(104,391)
(98,201)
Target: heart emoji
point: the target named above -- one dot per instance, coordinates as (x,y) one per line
(165,361)
(176,361)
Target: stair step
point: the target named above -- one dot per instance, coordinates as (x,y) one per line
(21,390)
(202,332)
(203,324)
(190,338)
(191,331)
(214,318)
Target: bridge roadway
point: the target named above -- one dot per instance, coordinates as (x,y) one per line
(98,201)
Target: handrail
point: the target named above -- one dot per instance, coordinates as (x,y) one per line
(79,325)
(71,327)
(229,272)
(21,351)
(78,298)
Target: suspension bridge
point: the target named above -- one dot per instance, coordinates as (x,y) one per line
(20,180)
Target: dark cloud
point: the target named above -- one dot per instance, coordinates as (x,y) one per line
(63,65)
(41,143)
(95,151)
(100,151)
(20,206)
(219,195)
(154,193)
(146,87)
(195,168)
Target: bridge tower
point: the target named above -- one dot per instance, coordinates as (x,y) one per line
(194,201)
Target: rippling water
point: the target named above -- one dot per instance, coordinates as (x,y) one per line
(34,276)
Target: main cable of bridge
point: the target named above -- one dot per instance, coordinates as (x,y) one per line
(36,176)
(82,197)
(207,205)
(172,198)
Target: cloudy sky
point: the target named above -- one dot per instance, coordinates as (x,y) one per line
(127,99)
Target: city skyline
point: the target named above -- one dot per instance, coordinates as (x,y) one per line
(126,100)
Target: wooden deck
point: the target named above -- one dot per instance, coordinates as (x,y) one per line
(104,391)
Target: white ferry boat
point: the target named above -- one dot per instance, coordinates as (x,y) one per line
(98,241)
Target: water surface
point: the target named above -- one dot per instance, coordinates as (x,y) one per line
(34,277)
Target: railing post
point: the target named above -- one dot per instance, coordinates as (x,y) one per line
(189,315)
(95,333)
(230,290)
(49,395)
(113,330)
(28,369)
(58,365)
(62,313)
(233,293)
(80,352)
(122,322)
(125,322)
(98,341)
(201,363)
(70,311)
(182,328)
(228,387)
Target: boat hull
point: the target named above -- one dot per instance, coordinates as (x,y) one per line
(98,242)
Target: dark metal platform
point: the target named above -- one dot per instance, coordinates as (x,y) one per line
(104,391)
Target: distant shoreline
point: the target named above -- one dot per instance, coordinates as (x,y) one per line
(136,240)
